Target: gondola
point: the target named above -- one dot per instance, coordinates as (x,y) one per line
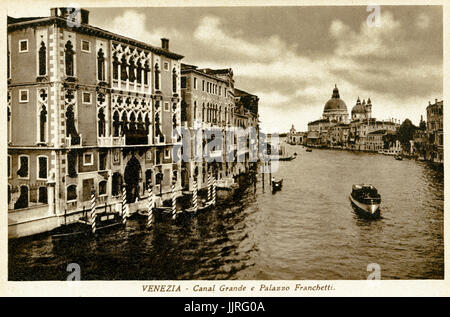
(289,158)
(276,185)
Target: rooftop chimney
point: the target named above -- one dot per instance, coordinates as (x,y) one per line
(165,44)
(76,14)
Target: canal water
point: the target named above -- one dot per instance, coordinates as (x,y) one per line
(308,230)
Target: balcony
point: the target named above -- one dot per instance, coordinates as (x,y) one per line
(110,141)
(73,141)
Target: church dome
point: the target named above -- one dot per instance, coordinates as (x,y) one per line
(335,103)
(358,108)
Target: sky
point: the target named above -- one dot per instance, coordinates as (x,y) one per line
(291,57)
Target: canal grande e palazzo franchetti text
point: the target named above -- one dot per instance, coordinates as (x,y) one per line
(96,116)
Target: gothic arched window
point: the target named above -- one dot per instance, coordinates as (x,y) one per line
(139,73)
(140,124)
(156,77)
(70,122)
(131,74)
(101,123)
(69,53)
(174,80)
(42,123)
(115,67)
(147,124)
(195,109)
(146,70)
(123,69)
(116,124)
(132,122)
(42,60)
(124,122)
(101,65)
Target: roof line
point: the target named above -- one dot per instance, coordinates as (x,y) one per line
(61,22)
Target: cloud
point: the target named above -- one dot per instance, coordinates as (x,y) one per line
(370,40)
(273,97)
(211,31)
(338,28)
(137,28)
(423,21)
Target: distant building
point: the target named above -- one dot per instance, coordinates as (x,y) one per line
(362,111)
(296,138)
(335,108)
(334,129)
(435,132)
(318,132)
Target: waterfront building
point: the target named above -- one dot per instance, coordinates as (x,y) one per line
(338,135)
(213,107)
(435,130)
(87,110)
(246,117)
(318,132)
(428,140)
(208,103)
(296,137)
(375,140)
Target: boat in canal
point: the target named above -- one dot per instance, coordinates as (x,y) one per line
(277,184)
(283,156)
(83,227)
(366,200)
(308,150)
(399,157)
(203,205)
(225,189)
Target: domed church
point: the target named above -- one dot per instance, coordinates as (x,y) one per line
(362,111)
(335,109)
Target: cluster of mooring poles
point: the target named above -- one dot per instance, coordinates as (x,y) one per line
(125,209)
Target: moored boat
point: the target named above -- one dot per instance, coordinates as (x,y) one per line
(201,207)
(308,150)
(366,200)
(399,157)
(83,227)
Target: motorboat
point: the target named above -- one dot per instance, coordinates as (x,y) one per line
(83,227)
(366,200)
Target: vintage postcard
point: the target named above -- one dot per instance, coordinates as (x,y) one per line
(229,149)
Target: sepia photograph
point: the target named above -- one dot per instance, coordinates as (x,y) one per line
(234,143)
